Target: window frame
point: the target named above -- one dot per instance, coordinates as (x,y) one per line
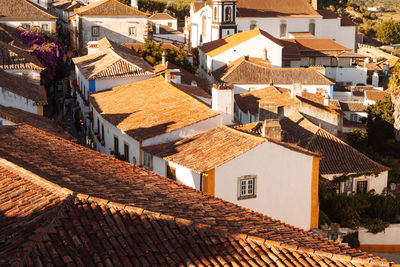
(361,181)
(147,161)
(282,26)
(116,145)
(134,29)
(171,172)
(94,34)
(126,151)
(45,25)
(248,193)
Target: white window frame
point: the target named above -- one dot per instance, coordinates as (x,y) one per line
(355,182)
(134,29)
(247,187)
(94,34)
(47,26)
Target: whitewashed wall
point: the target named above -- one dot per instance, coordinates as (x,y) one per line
(282,193)
(116,28)
(355,75)
(378,183)
(165,22)
(326,120)
(15,24)
(9,99)
(103,84)
(390,236)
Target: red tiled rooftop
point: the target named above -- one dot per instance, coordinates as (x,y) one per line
(108,8)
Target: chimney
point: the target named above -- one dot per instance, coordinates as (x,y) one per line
(315,4)
(134,4)
(296,90)
(265,54)
(163,61)
(92,47)
(168,76)
(272,129)
(327,101)
(223,101)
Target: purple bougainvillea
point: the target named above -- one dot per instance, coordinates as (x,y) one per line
(50,53)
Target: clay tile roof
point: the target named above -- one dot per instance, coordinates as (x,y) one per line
(196,92)
(10,35)
(352,106)
(23,10)
(67,5)
(250,101)
(309,101)
(301,34)
(108,8)
(376,95)
(318,44)
(254,71)
(216,47)
(346,21)
(186,76)
(161,16)
(275,8)
(14,58)
(23,87)
(337,156)
(222,145)
(149,108)
(138,217)
(112,60)
(327,14)
(16,115)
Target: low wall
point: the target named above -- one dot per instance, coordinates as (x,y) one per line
(386,241)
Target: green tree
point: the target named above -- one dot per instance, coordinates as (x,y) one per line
(180,8)
(126,2)
(152,6)
(389,32)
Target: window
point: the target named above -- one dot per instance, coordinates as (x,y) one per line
(170,24)
(334,61)
(26,26)
(204,27)
(311,27)
(253,24)
(95,31)
(215,13)
(147,161)
(311,61)
(171,173)
(102,132)
(353,117)
(126,152)
(116,146)
(228,13)
(132,31)
(362,186)
(98,126)
(45,27)
(247,187)
(283,28)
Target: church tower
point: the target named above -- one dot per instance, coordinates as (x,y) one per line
(223,18)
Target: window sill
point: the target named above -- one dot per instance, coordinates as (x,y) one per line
(247,197)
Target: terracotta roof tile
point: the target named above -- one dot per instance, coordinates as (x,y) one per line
(23,87)
(14,58)
(327,14)
(253,71)
(346,21)
(337,156)
(249,101)
(319,44)
(20,116)
(275,8)
(376,95)
(219,145)
(166,214)
(67,5)
(353,106)
(161,16)
(10,35)
(108,8)
(111,60)
(149,108)
(23,10)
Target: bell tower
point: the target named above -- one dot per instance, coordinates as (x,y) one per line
(223,18)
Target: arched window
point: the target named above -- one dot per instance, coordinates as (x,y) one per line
(253,24)
(215,13)
(283,28)
(204,26)
(228,13)
(311,27)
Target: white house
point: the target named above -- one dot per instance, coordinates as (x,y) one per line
(249,74)
(108,18)
(21,93)
(339,160)
(277,103)
(164,19)
(246,170)
(327,56)
(150,112)
(26,14)
(107,65)
(214,20)
(17,61)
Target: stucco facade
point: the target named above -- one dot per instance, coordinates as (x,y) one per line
(9,99)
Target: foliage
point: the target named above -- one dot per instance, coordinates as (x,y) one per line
(389,31)
(126,2)
(369,210)
(180,8)
(50,53)
(359,140)
(152,53)
(152,6)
